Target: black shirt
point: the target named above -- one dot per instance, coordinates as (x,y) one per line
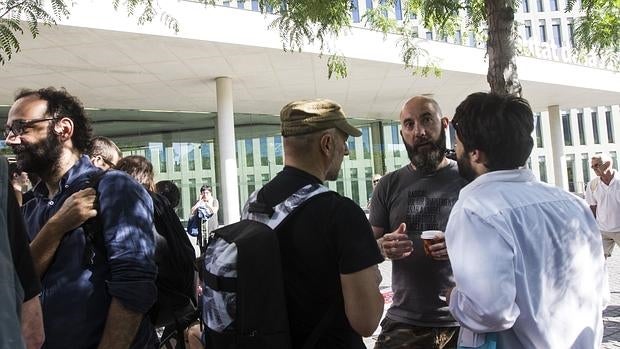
(20,248)
(328,236)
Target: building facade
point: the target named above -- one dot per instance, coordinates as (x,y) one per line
(161,95)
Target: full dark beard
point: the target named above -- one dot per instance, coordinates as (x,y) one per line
(427,161)
(39,158)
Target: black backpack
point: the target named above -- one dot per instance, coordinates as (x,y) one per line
(243,302)
(175,307)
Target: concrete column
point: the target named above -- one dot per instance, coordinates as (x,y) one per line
(557,147)
(229,200)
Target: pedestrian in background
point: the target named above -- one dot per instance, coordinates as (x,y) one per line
(603,196)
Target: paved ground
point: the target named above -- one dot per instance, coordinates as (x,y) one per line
(611,315)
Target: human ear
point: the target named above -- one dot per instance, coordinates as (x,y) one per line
(64,128)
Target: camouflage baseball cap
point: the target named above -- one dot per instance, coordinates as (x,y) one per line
(308,116)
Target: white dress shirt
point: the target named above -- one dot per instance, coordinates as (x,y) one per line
(528,263)
(606,198)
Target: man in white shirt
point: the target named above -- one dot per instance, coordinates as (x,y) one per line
(526,256)
(603,196)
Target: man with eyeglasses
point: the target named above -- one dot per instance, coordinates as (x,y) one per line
(95,289)
(603,196)
(406,202)
(104,153)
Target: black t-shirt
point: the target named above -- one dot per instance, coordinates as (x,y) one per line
(20,248)
(328,236)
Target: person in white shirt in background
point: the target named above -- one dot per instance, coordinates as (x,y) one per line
(603,196)
(527,256)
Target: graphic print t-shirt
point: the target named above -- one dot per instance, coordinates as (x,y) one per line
(423,202)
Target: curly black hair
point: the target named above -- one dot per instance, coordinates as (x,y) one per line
(62,104)
(499,125)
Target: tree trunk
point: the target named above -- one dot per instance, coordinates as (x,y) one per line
(502,75)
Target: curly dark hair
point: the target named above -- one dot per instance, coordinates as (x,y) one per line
(499,125)
(62,104)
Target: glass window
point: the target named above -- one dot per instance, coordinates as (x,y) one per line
(264,178)
(429,35)
(191,157)
(571,33)
(570,172)
(277,148)
(528,30)
(542,168)
(176,153)
(525,6)
(395,140)
(452,133)
(398,11)
(351,146)
(355,11)
(205,155)
(539,135)
(255,5)
(585,167)
(249,153)
(542,32)
(193,191)
(355,192)
(163,163)
(557,35)
(264,153)
(568,136)
(251,184)
(366,142)
(610,127)
(582,132)
(540,5)
(553,5)
(240,4)
(368,176)
(368,4)
(458,37)
(614,159)
(595,133)
(340,186)
(226,3)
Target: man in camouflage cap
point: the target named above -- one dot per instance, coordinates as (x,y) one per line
(329,255)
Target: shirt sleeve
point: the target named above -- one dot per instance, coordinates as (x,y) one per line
(378,213)
(20,249)
(590,195)
(484,298)
(356,245)
(126,211)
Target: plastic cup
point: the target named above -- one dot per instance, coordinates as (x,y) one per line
(430,237)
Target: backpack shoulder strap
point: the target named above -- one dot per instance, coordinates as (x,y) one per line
(283,209)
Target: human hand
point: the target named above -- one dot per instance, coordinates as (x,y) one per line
(396,245)
(76,210)
(438,248)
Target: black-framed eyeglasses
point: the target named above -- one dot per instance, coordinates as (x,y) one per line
(18,127)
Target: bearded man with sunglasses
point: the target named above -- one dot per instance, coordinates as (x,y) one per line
(95,289)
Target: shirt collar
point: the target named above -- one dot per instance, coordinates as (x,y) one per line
(82,166)
(518,175)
